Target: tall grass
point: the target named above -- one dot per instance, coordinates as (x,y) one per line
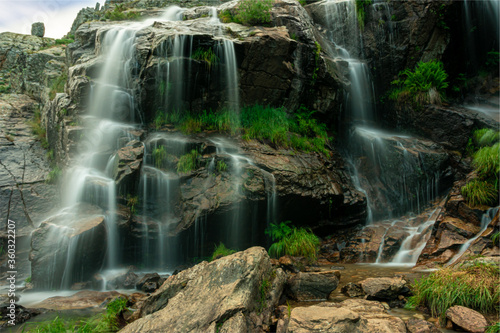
(486,161)
(207,56)
(478,192)
(475,287)
(188,162)
(252,12)
(289,240)
(485,137)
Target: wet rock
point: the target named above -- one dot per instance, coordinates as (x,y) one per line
(353,290)
(38,29)
(384,288)
(421,326)
(191,300)
(466,319)
(20,316)
(150,282)
(312,286)
(127,280)
(81,300)
(81,231)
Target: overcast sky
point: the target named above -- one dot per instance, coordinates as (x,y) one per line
(58,15)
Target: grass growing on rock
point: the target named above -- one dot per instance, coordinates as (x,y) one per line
(289,240)
(188,162)
(251,12)
(475,286)
(221,251)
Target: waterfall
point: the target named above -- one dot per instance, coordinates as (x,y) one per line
(485,222)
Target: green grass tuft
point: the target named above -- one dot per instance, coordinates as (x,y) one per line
(252,12)
(159,156)
(221,251)
(292,241)
(495,328)
(475,287)
(486,161)
(207,56)
(485,137)
(64,41)
(478,192)
(53,175)
(188,162)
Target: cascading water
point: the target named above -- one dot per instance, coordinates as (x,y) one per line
(390,169)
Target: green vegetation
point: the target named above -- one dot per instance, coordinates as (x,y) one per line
(221,251)
(188,162)
(303,2)
(159,156)
(360,11)
(64,41)
(119,14)
(57,85)
(53,175)
(221,166)
(207,56)
(132,201)
(289,240)
(426,84)
(265,286)
(475,287)
(38,129)
(250,12)
(5,88)
(495,238)
(477,192)
(28,279)
(317,57)
(484,147)
(298,131)
(495,328)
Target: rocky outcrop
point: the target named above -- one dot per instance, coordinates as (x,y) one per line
(384,288)
(191,300)
(347,316)
(38,29)
(466,319)
(312,286)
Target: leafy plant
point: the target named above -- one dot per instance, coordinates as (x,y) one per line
(53,175)
(478,192)
(188,162)
(317,57)
(426,84)
(289,240)
(28,279)
(221,166)
(207,56)
(475,287)
(159,156)
(132,201)
(221,251)
(252,12)
(360,11)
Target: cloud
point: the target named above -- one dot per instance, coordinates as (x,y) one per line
(57,15)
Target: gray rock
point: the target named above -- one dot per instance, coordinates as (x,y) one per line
(384,288)
(38,29)
(225,291)
(312,286)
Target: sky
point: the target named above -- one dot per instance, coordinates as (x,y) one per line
(57,15)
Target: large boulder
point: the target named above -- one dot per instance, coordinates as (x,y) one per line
(384,288)
(312,286)
(466,319)
(237,292)
(38,29)
(347,316)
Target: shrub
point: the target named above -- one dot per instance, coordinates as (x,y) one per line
(425,84)
(207,56)
(188,162)
(53,175)
(221,251)
(479,192)
(475,287)
(254,12)
(292,241)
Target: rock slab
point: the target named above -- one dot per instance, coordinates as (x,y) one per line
(466,319)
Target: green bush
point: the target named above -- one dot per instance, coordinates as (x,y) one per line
(475,287)
(221,251)
(64,41)
(289,240)
(426,84)
(254,12)
(119,14)
(478,192)
(188,162)
(207,56)
(486,161)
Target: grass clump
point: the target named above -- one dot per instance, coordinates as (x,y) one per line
(360,11)
(485,137)
(474,286)
(64,41)
(289,240)
(486,161)
(253,12)
(58,85)
(188,162)
(495,328)
(53,175)
(478,192)
(38,129)
(221,166)
(221,251)
(159,156)
(132,201)
(424,85)
(207,56)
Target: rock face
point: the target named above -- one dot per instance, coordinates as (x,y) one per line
(191,300)
(312,286)
(466,319)
(38,29)
(80,300)
(347,316)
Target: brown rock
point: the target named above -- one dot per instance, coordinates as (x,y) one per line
(353,290)
(384,288)
(466,319)
(421,326)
